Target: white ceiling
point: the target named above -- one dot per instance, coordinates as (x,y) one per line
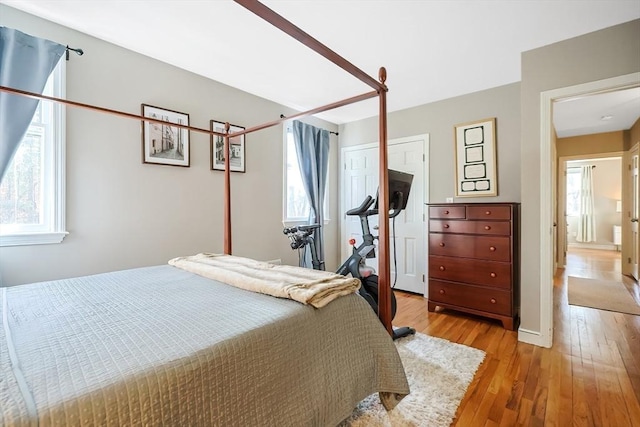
(432,50)
(598,113)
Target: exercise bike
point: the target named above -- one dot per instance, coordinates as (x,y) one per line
(302,236)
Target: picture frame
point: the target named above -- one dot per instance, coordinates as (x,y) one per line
(236,147)
(165,144)
(475,158)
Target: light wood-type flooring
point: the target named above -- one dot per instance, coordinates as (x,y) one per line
(590,376)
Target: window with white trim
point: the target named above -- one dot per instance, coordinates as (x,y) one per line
(296,203)
(32,199)
(574,179)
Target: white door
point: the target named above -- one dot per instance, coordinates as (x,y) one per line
(635,212)
(361,179)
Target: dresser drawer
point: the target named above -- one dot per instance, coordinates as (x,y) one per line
(458,212)
(469,296)
(493,248)
(488,212)
(498,228)
(477,272)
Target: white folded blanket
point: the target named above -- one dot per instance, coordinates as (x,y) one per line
(312,287)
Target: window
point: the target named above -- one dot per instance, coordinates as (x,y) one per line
(32,191)
(296,203)
(574,179)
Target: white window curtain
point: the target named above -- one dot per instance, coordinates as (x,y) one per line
(586,216)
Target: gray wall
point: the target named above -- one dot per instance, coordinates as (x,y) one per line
(122,213)
(611,52)
(438,120)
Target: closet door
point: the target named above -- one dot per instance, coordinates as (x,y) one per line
(360,178)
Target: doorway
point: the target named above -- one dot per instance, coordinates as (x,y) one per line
(547,202)
(605,205)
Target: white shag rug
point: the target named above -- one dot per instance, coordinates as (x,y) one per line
(438,372)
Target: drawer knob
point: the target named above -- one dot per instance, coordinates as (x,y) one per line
(493,274)
(442,244)
(442,268)
(492,248)
(441,291)
(446,212)
(487,213)
(446,226)
(493,300)
(487,227)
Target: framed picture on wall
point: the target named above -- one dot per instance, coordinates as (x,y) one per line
(475,157)
(164,143)
(236,148)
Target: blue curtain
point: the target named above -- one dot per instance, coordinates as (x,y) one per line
(312,148)
(25,63)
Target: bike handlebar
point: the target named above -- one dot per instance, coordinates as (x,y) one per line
(366,204)
(303,228)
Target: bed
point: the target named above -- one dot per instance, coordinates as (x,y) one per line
(163,346)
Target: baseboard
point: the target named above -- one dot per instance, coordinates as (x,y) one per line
(532,337)
(592,246)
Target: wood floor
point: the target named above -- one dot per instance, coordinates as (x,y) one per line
(590,377)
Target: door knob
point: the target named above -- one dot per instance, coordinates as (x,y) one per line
(634,219)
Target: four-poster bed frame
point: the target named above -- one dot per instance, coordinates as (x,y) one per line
(379,90)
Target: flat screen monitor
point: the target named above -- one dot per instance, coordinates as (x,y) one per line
(399,187)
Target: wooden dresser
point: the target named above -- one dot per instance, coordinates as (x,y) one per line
(474,259)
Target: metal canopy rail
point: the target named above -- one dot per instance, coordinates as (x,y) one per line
(384,284)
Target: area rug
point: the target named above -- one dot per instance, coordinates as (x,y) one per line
(438,372)
(601,294)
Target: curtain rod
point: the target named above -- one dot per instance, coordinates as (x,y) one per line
(282,116)
(578,167)
(79,51)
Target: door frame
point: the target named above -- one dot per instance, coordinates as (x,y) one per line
(545,337)
(425,196)
(627,209)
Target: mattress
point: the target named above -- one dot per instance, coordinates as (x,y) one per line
(162,346)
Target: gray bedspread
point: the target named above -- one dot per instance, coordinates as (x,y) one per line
(162,346)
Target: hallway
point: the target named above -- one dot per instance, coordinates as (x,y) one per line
(604,345)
